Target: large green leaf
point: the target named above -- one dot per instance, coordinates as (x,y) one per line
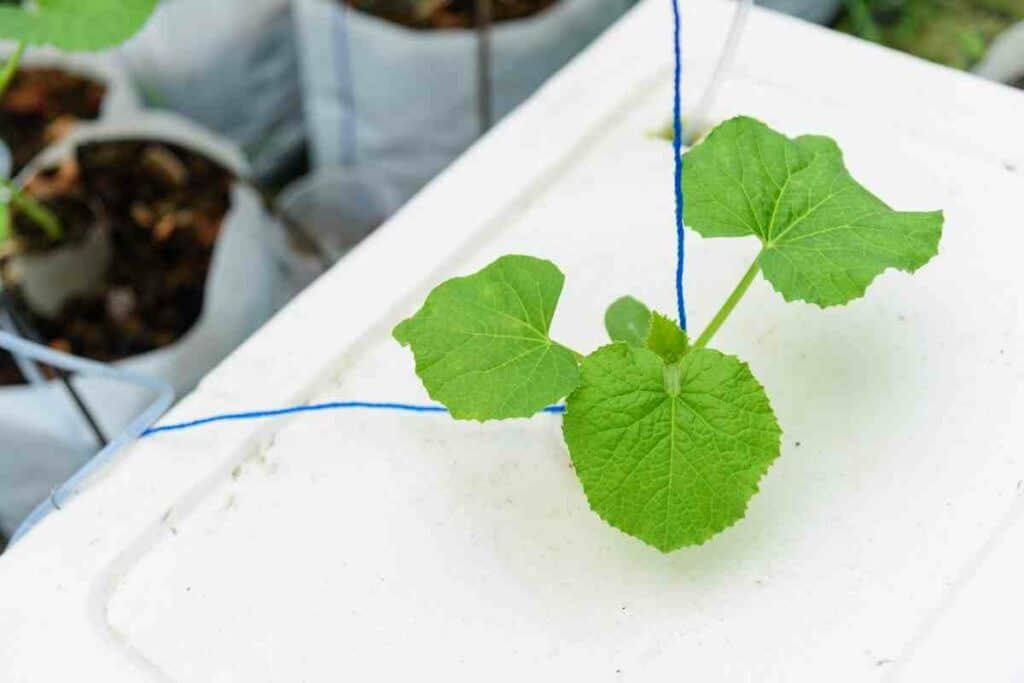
(75,24)
(824,236)
(481,342)
(669,453)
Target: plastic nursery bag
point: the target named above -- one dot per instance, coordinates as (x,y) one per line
(1004,61)
(42,438)
(121,97)
(376,91)
(335,209)
(230,65)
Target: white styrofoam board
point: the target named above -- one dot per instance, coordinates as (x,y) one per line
(380,546)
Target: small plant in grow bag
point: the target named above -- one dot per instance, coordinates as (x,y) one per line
(669,437)
(161,208)
(71,25)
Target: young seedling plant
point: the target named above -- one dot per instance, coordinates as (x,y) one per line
(69,25)
(668,436)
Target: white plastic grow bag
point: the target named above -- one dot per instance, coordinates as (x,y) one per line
(335,209)
(1004,61)
(374,90)
(121,97)
(42,440)
(231,65)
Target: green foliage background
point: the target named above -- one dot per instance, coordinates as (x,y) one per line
(956,33)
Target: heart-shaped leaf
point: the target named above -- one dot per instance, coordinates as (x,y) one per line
(481,342)
(824,236)
(669,452)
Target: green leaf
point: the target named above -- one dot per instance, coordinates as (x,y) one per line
(5,222)
(669,453)
(628,320)
(666,339)
(824,236)
(481,342)
(75,24)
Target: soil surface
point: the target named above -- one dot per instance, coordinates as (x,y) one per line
(447,14)
(41,105)
(9,373)
(164,206)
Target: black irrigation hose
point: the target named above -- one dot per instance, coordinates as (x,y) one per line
(26,331)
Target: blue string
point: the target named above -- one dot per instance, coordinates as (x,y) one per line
(677,146)
(313,408)
(677,151)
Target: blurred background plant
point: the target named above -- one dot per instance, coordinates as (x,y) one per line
(955,33)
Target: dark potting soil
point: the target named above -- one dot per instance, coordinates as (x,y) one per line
(9,373)
(164,206)
(41,105)
(442,14)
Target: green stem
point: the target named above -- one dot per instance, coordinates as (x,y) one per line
(10,67)
(35,211)
(39,214)
(727,307)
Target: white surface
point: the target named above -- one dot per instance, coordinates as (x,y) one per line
(382,547)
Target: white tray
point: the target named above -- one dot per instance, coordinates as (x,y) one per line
(380,547)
